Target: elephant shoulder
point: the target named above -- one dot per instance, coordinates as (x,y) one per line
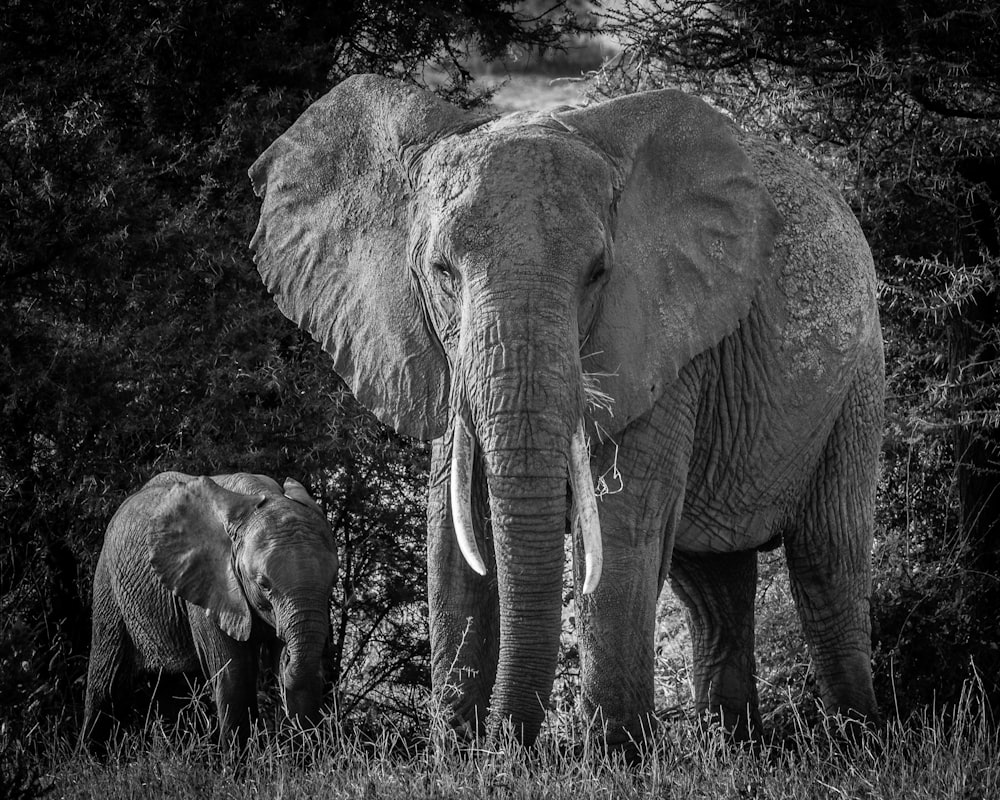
(822,291)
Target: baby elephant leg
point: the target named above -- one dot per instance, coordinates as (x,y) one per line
(111,671)
(231,668)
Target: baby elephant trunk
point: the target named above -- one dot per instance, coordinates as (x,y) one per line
(302,673)
(303,698)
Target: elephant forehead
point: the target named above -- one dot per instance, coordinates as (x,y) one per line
(278,526)
(292,558)
(291,564)
(487,184)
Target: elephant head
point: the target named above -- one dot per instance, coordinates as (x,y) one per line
(483,272)
(268,554)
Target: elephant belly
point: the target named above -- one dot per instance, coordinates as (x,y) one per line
(743,498)
(742,494)
(717,532)
(757,442)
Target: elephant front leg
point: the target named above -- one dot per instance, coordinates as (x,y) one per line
(463,607)
(638,526)
(718,590)
(235,689)
(616,641)
(231,669)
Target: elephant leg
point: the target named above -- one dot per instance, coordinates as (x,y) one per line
(616,640)
(235,689)
(639,520)
(463,607)
(111,670)
(829,553)
(718,590)
(231,669)
(172,694)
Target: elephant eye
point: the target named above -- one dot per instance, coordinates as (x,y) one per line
(598,269)
(264,583)
(443,269)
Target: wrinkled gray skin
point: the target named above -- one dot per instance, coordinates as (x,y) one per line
(471,271)
(197,575)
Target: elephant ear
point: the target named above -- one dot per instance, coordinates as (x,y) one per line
(333,241)
(296,491)
(191,551)
(693,235)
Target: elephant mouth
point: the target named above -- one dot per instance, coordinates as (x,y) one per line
(584,509)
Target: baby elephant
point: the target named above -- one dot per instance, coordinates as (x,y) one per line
(196,575)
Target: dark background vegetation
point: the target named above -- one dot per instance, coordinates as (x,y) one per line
(135,335)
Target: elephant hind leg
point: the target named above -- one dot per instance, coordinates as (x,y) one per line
(718,590)
(110,672)
(829,554)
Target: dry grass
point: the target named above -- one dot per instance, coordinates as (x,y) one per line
(945,755)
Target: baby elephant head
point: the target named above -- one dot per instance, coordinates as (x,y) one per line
(264,551)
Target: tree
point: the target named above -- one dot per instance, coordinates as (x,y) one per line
(135,335)
(899,103)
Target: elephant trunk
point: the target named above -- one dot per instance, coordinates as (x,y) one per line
(525,399)
(302,667)
(529,522)
(584,506)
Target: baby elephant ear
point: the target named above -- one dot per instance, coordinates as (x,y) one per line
(693,236)
(333,242)
(296,491)
(191,552)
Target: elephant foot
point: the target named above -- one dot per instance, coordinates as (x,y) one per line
(458,732)
(99,732)
(627,742)
(738,726)
(854,733)
(468,724)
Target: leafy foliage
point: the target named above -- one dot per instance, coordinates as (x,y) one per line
(899,104)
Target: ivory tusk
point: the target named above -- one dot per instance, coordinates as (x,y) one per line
(461,498)
(585,508)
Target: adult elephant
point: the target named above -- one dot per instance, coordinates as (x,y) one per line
(475,278)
